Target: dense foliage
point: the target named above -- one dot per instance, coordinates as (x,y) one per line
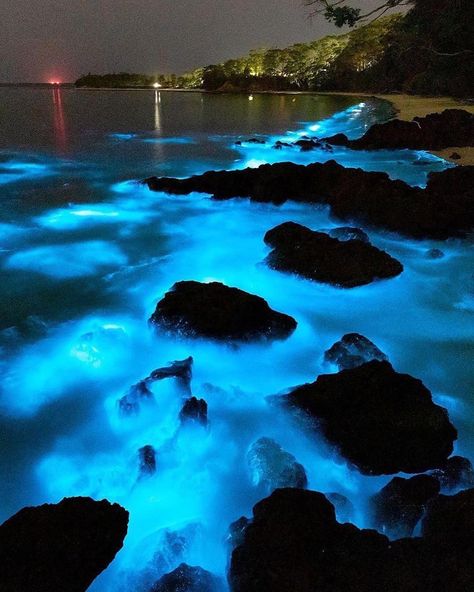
(427,51)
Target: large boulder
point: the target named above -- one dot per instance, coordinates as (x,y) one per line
(272,467)
(452,127)
(456,473)
(353,350)
(443,209)
(61,546)
(187,579)
(194,411)
(218,312)
(146,461)
(398,506)
(319,257)
(295,543)
(382,421)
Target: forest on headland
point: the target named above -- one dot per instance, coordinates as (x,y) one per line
(429,50)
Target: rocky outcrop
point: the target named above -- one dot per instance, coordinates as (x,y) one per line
(382,421)
(194,411)
(146,461)
(346,233)
(182,370)
(399,506)
(61,546)
(130,403)
(342,505)
(187,579)
(218,312)
(456,473)
(353,350)
(295,543)
(272,467)
(452,127)
(443,209)
(317,256)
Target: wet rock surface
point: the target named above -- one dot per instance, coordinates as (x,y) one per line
(272,467)
(295,543)
(146,461)
(194,411)
(399,505)
(452,127)
(443,209)
(61,546)
(319,257)
(218,312)
(346,233)
(353,350)
(382,421)
(342,505)
(456,472)
(187,579)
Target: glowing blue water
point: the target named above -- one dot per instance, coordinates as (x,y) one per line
(86,252)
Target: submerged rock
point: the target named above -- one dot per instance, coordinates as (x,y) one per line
(346,233)
(353,350)
(187,579)
(452,127)
(456,472)
(194,410)
(342,505)
(61,546)
(399,505)
(294,543)
(218,312)
(319,257)
(129,404)
(273,467)
(443,209)
(146,461)
(434,254)
(382,421)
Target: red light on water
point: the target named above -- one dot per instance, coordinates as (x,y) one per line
(54,82)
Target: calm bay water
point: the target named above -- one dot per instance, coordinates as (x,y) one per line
(85,254)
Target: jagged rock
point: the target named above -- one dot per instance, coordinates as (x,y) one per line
(443,209)
(294,543)
(146,461)
(307,144)
(61,546)
(236,532)
(353,350)
(187,579)
(346,233)
(342,505)
(456,472)
(452,127)
(129,404)
(180,369)
(279,145)
(398,507)
(382,421)
(218,312)
(319,257)
(434,254)
(194,410)
(273,467)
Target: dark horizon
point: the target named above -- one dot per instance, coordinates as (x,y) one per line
(68,39)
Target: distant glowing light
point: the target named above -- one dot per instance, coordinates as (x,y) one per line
(315,127)
(156,85)
(250,97)
(55,82)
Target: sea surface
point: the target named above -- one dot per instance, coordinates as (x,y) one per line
(86,252)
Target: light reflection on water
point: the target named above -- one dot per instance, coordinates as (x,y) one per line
(87,253)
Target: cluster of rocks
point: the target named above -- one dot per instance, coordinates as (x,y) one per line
(442,209)
(452,127)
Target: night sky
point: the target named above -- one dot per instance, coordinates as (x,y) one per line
(42,40)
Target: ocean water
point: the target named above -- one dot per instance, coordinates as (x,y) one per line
(86,252)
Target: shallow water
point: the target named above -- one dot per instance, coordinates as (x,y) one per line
(86,253)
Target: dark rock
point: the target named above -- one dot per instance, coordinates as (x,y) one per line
(456,472)
(129,404)
(455,156)
(56,547)
(382,421)
(294,543)
(441,210)
(346,233)
(399,505)
(194,410)
(187,579)
(273,467)
(147,461)
(319,257)
(452,127)
(180,369)
(173,546)
(353,350)
(307,144)
(218,312)
(238,143)
(434,254)
(237,531)
(342,505)
(255,141)
(279,145)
